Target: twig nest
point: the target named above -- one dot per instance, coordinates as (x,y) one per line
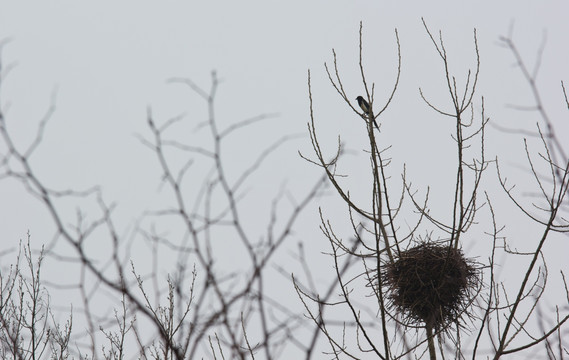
(430,284)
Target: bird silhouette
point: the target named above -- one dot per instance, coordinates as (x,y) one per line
(364,105)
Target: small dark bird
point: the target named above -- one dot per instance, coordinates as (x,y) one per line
(363,104)
(366,108)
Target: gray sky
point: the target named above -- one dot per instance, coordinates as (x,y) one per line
(107,61)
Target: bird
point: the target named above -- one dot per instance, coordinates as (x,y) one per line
(366,109)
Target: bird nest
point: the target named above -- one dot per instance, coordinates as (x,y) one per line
(430,285)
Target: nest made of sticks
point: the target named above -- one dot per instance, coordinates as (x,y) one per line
(430,284)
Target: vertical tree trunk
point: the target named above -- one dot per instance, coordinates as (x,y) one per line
(431,342)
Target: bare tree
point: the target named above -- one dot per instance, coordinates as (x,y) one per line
(424,291)
(203,306)
(403,284)
(28,329)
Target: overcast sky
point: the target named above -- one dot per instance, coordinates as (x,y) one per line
(104,63)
